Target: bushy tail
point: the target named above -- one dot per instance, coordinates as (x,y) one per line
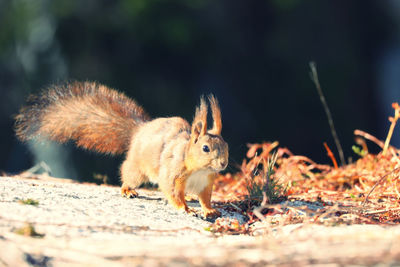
(94,116)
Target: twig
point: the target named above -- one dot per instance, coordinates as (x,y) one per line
(363,144)
(314,78)
(309,161)
(236,207)
(392,125)
(327,212)
(259,215)
(378,182)
(330,154)
(380,211)
(396,190)
(41,165)
(369,137)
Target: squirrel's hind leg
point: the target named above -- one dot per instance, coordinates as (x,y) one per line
(131,179)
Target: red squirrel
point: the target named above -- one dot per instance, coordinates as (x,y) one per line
(179,157)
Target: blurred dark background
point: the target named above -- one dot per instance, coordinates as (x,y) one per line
(253,55)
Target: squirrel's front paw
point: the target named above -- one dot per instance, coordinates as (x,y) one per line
(190,211)
(211,213)
(128,192)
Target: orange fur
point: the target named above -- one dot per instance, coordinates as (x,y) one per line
(199,125)
(94,116)
(216,114)
(177,198)
(205,199)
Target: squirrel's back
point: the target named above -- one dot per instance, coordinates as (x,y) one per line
(93,115)
(160,142)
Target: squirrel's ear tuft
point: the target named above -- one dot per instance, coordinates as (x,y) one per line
(199,125)
(216,115)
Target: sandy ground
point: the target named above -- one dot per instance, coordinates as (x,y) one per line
(89,225)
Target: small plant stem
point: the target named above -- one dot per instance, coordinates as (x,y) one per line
(330,154)
(270,169)
(264,193)
(266,199)
(314,78)
(390,133)
(378,182)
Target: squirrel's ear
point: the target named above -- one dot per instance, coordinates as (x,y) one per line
(216,115)
(197,131)
(199,125)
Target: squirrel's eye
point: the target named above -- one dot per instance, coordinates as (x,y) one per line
(206,149)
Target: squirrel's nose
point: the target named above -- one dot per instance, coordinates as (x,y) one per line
(223,164)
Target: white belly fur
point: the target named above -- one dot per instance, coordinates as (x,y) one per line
(197,181)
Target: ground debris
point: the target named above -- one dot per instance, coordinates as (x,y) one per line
(366,191)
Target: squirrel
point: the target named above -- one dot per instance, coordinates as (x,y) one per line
(179,157)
